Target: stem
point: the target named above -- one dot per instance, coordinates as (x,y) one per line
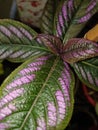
(89,98)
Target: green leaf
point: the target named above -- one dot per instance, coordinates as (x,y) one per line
(37,96)
(78,49)
(87,72)
(17,41)
(20,53)
(47,21)
(72,15)
(1,69)
(96,108)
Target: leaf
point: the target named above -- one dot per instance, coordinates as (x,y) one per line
(1,69)
(37,96)
(92,34)
(96,108)
(12,31)
(52,43)
(72,15)
(78,49)
(17,42)
(87,72)
(47,21)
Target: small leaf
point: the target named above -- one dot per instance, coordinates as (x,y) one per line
(37,96)
(78,49)
(47,21)
(52,43)
(17,42)
(87,72)
(72,15)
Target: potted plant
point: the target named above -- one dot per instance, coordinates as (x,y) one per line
(39,94)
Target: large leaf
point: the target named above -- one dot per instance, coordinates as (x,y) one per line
(37,96)
(17,41)
(78,49)
(47,21)
(87,72)
(72,16)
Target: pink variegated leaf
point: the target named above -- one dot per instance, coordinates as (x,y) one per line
(78,49)
(17,42)
(87,71)
(72,15)
(38,95)
(12,31)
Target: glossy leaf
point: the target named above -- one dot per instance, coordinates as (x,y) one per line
(72,15)
(47,21)
(87,72)
(37,96)
(78,49)
(17,41)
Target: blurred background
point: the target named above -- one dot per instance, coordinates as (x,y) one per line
(7,8)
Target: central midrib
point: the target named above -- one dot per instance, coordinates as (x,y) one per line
(49,75)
